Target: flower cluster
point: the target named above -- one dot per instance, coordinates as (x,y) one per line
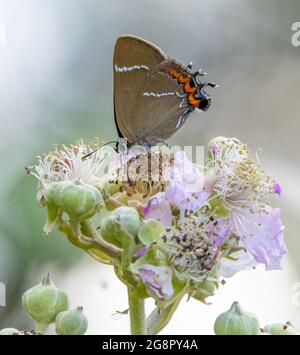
(170,227)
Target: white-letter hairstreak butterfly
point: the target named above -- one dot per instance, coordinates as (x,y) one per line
(153,94)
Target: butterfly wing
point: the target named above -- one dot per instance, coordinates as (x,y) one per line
(133,60)
(149,104)
(162,103)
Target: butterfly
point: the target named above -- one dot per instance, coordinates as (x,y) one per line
(153,94)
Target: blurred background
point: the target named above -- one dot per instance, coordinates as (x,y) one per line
(56,86)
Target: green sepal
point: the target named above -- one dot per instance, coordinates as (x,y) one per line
(179,287)
(154,256)
(150,232)
(53,214)
(217,207)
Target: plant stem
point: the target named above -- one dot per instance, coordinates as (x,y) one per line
(137,313)
(158,319)
(41,328)
(107,248)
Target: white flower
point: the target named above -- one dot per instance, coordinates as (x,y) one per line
(67,163)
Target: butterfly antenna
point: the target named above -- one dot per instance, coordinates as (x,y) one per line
(210,84)
(199,72)
(95,150)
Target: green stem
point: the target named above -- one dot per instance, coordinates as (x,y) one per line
(41,328)
(99,242)
(137,313)
(158,319)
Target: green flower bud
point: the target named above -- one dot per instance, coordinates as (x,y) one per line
(43,302)
(77,199)
(280,329)
(236,322)
(120,221)
(72,322)
(9,331)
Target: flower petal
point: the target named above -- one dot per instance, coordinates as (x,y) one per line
(219,231)
(240,260)
(262,235)
(158,207)
(158,280)
(185,173)
(184,200)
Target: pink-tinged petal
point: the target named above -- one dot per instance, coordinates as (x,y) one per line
(158,280)
(239,261)
(214,148)
(183,200)
(208,186)
(158,207)
(262,235)
(185,173)
(277,189)
(219,231)
(141,252)
(187,190)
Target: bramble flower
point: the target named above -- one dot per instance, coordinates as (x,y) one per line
(244,189)
(192,250)
(185,189)
(140,172)
(68,182)
(66,163)
(169,226)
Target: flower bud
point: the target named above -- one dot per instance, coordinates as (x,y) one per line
(236,322)
(280,329)
(118,222)
(9,331)
(72,322)
(43,302)
(77,199)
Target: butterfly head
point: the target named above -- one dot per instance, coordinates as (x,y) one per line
(203,97)
(204,100)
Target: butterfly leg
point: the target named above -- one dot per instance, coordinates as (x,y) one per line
(179,95)
(210,84)
(184,116)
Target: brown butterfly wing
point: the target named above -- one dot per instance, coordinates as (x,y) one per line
(148,102)
(163,105)
(130,53)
